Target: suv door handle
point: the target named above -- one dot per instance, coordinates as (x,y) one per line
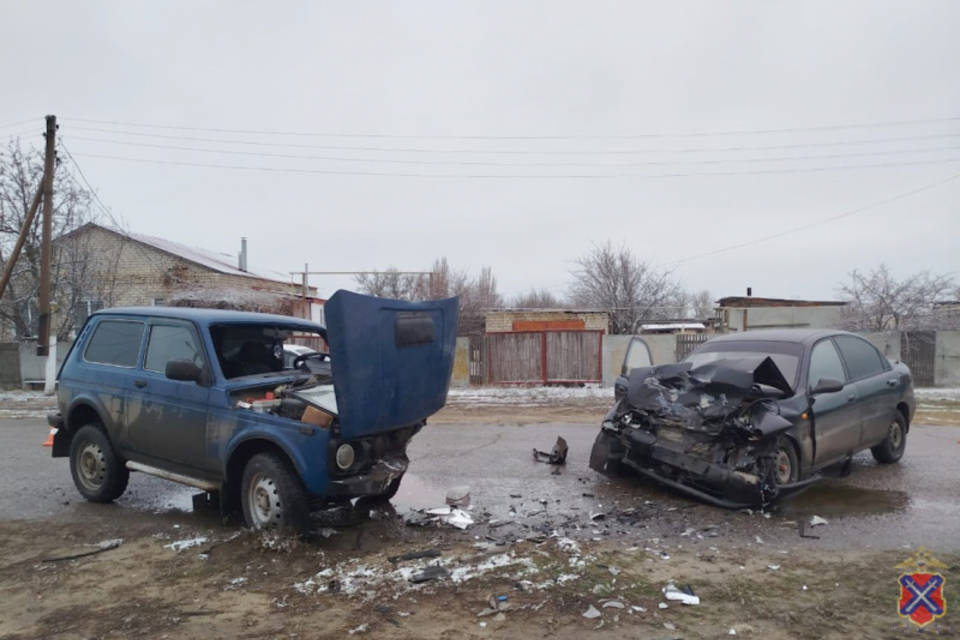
(139,384)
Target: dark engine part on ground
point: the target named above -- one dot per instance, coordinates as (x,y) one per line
(557,456)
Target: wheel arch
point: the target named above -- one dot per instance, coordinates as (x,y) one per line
(238,458)
(905,412)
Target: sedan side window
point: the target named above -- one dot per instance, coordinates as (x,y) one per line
(825,363)
(171,342)
(862,358)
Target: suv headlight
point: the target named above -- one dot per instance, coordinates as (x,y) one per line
(345,456)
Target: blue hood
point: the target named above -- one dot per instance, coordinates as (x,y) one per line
(391,359)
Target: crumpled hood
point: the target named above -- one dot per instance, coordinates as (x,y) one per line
(692,397)
(391,359)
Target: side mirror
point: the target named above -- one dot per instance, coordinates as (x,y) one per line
(826,385)
(184,370)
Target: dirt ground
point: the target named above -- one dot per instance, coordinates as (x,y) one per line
(135,581)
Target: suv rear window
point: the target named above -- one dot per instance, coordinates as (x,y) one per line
(115,342)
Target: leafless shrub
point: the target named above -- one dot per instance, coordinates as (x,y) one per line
(878,301)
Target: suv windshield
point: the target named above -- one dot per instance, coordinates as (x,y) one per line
(252,349)
(786,355)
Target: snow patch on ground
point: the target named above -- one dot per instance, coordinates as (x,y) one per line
(526,396)
(937,394)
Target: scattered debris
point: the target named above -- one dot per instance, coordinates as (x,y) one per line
(180,545)
(803,532)
(613,604)
(415,555)
(817,520)
(638,609)
(592,613)
(557,456)
(361,629)
(429,573)
(758,539)
(458,496)
(773,567)
(448,515)
(689,531)
(103,545)
(686,596)
(663,605)
(669,626)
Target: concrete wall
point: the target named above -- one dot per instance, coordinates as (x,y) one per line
(784,317)
(888,342)
(946,369)
(32,365)
(461,363)
(663,350)
(9,365)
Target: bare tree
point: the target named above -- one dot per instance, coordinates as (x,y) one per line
(701,304)
(630,289)
(878,301)
(476,294)
(537,299)
(71,275)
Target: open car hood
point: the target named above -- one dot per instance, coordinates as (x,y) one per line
(391,359)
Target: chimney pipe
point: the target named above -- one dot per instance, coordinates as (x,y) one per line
(749,289)
(243,254)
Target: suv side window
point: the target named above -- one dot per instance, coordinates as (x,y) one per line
(825,363)
(171,342)
(862,358)
(115,342)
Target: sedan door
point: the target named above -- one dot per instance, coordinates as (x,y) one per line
(876,387)
(836,415)
(168,418)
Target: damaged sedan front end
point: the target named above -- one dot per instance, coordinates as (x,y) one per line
(716,430)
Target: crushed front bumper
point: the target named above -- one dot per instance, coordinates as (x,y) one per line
(374,481)
(714,483)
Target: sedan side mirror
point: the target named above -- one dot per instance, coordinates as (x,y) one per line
(184,370)
(827,385)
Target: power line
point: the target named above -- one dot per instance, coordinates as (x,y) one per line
(476,150)
(887,152)
(828,127)
(10,125)
(804,227)
(93,192)
(519,176)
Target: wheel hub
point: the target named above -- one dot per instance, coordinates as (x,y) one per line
(896,435)
(264,502)
(91,466)
(784,468)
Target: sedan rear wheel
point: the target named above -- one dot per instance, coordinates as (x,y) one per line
(893,446)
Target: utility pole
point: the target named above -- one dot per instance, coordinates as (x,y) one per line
(43,337)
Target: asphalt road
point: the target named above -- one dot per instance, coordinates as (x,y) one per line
(910,504)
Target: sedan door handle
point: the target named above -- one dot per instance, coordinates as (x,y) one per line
(891,383)
(139,384)
(851,397)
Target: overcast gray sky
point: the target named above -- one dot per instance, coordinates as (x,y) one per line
(574,107)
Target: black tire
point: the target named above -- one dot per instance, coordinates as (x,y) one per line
(98,472)
(893,446)
(603,458)
(786,463)
(272,495)
(392,489)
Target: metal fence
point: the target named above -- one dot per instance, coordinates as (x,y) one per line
(687,342)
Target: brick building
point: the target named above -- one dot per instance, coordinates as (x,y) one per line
(507,320)
(132,269)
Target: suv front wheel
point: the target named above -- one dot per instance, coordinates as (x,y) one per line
(272,495)
(98,473)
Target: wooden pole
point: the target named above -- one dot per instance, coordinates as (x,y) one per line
(24,232)
(43,337)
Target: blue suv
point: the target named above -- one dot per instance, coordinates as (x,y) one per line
(205,397)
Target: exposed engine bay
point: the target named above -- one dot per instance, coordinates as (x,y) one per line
(713,431)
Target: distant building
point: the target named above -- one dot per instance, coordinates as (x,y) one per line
(739,313)
(132,269)
(673,326)
(510,320)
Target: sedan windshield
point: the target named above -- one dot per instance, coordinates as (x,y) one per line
(786,355)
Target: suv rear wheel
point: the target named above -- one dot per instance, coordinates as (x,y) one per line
(98,473)
(272,495)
